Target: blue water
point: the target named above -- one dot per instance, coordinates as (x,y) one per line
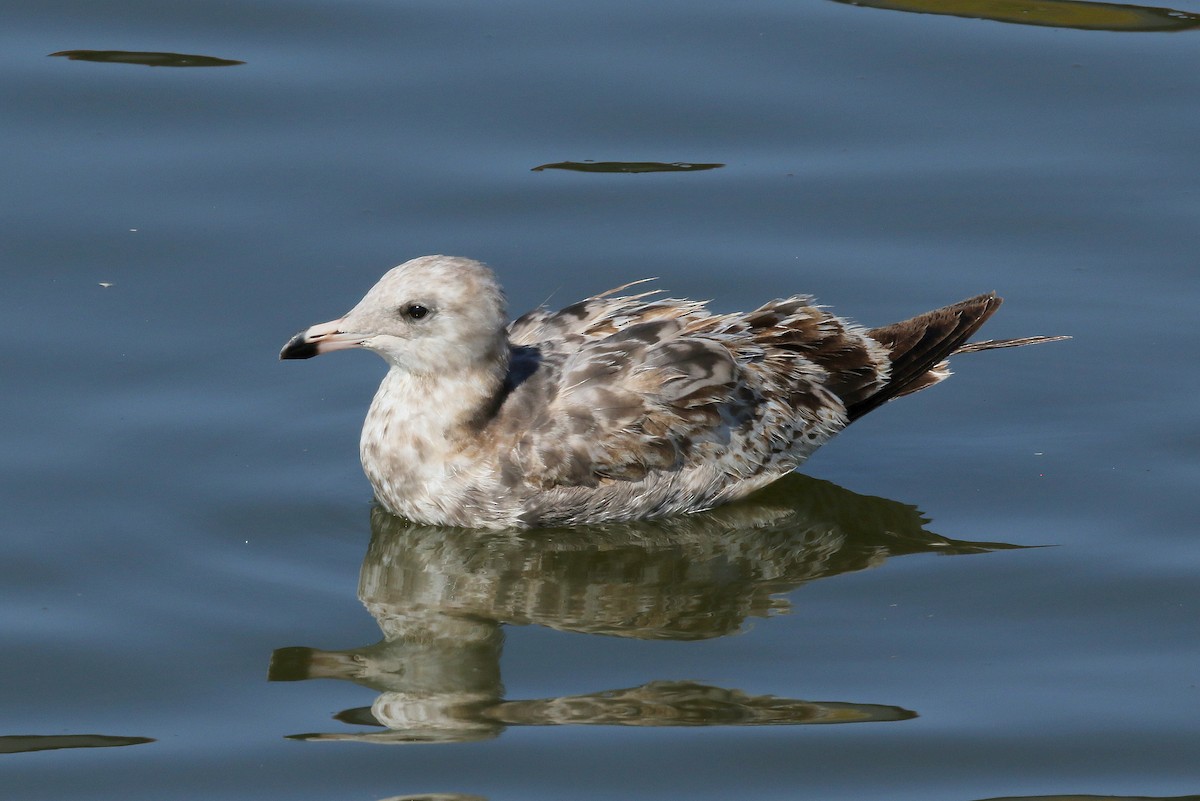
(187,537)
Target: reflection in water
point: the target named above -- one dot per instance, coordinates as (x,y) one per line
(1049,13)
(460,797)
(148,59)
(441,595)
(626,166)
(16,744)
(435,797)
(1095,798)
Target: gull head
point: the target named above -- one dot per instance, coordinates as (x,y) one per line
(434,314)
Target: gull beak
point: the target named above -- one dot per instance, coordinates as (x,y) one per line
(321,338)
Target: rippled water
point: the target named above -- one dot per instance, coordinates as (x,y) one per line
(188,542)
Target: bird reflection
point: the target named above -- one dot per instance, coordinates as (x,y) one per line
(442,595)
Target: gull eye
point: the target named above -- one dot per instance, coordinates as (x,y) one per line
(415,311)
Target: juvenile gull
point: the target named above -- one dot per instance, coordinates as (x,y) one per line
(619,407)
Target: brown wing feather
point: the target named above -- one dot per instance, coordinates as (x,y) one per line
(619,411)
(668,385)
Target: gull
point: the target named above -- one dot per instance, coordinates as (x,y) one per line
(619,407)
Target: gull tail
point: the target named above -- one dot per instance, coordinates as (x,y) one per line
(918,347)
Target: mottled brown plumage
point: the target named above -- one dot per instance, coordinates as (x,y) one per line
(618,407)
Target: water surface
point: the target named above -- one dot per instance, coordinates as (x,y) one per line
(189,543)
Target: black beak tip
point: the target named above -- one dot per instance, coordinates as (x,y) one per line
(298,348)
(290,664)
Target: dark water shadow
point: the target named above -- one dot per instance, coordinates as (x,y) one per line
(147,58)
(435,797)
(1076,14)
(1094,798)
(22,743)
(626,166)
(441,597)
